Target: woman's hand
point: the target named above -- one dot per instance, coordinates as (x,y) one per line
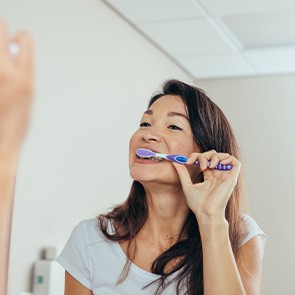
(16,88)
(208,199)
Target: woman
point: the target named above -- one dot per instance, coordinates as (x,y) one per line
(16,88)
(182,229)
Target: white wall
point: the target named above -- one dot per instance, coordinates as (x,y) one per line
(261,111)
(95,75)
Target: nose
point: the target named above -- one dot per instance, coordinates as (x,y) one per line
(152,135)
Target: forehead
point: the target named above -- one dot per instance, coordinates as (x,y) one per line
(169,102)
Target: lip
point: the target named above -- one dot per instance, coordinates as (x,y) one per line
(146,162)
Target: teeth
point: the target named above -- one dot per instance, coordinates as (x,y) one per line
(153,158)
(157,159)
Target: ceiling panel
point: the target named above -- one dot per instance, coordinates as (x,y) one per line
(216,66)
(186,37)
(273,61)
(138,11)
(214,38)
(263,29)
(227,7)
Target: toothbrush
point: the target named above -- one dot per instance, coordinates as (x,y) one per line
(177,158)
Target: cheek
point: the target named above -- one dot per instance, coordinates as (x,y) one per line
(182,146)
(132,140)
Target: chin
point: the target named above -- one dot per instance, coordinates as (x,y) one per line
(142,176)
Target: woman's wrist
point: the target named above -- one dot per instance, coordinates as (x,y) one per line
(211,219)
(214,231)
(209,224)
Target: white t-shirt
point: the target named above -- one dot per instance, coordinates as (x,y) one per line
(97,262)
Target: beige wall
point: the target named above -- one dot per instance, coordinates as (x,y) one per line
(94,77)
(261,111)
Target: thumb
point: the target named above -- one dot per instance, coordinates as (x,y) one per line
(184,176)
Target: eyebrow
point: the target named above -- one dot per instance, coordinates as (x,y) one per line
(170,114)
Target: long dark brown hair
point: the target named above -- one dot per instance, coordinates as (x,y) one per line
(211,130)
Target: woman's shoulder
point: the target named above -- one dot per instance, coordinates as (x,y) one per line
(86,250)
(89,229)
(252,229)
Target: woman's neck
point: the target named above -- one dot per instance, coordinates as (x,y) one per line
(167,212)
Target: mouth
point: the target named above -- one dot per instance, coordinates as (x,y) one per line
(150,158)
(156,159)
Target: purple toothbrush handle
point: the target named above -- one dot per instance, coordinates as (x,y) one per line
(220,166)
(177,158)
(183,159)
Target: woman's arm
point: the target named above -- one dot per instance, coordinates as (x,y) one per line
(249,263)
(73,287)
(222,274)
(208,200)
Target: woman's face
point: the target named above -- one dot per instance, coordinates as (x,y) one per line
(164,128)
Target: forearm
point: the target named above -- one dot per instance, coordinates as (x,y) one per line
(221,275)
(8,165)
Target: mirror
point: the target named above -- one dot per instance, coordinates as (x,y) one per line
(96,66)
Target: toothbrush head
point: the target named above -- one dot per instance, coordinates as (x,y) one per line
(145,153)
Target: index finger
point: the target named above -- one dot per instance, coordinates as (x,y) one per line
(183,174)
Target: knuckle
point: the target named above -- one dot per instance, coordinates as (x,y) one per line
(194,156)
(23,34)
(202,157)
(210,152)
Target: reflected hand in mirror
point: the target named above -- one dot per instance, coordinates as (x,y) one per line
(16,92)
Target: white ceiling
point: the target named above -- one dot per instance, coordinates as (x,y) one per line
(218,38)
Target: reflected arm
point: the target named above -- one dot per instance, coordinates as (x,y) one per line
(8,167)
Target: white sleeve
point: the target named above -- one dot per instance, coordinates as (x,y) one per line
(74,257)
(253,230)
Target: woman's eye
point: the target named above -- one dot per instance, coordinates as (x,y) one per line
(144,124)
(174,127)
